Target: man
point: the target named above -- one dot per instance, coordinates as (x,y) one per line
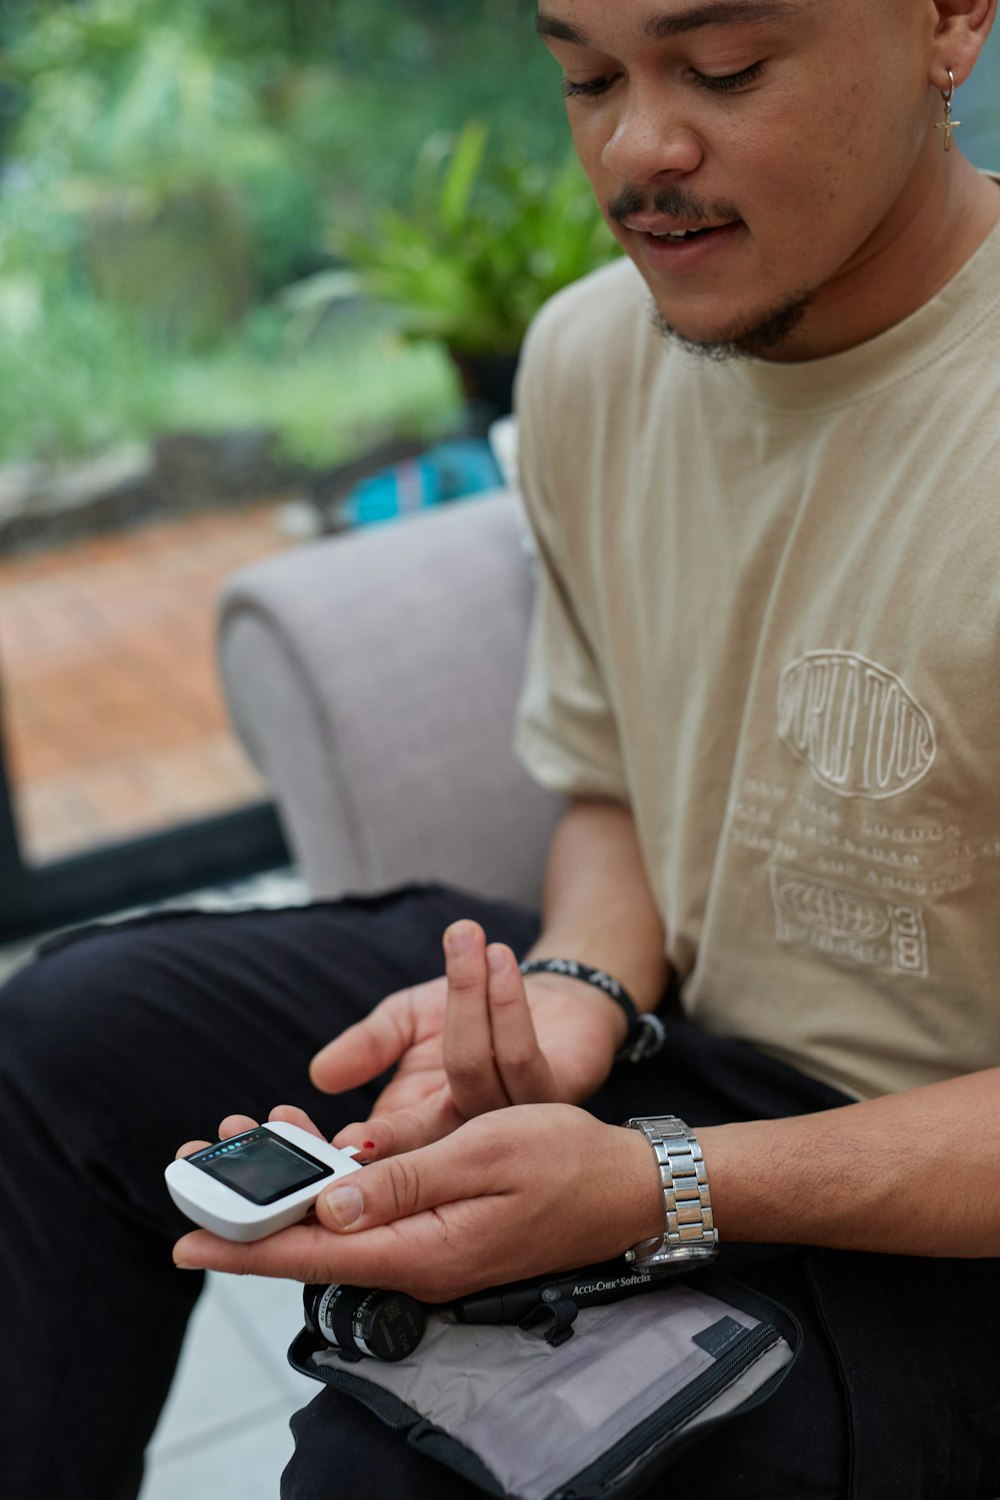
(763,668)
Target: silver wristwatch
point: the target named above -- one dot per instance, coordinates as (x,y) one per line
(690,1235)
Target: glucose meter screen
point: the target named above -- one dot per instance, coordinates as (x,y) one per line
(260,1166)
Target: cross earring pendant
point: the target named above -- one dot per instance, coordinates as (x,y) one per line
(948,125)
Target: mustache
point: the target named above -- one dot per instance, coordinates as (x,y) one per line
(671,203)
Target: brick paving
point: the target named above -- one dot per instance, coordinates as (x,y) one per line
(113,719)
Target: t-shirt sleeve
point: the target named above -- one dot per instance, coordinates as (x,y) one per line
(565,734)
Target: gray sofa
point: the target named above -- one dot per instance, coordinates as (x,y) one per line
(373,679)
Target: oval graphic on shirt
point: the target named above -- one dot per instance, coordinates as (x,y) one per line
(854,724)
(841,913)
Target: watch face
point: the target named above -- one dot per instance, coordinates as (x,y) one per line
(682,1257)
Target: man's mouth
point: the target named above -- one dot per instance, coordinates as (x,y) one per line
(658,230)
(678,234)
(671,247)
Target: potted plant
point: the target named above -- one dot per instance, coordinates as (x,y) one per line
(483,244)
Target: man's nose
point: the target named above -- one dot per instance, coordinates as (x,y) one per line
(651,139)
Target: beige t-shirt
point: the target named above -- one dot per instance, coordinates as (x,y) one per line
(769,619)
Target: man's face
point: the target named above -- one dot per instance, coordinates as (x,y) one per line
(785,139)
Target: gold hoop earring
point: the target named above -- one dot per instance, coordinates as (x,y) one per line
(948,124)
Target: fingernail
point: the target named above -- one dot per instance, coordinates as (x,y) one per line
(460,938)
(181,1257)
(346,1205)
(496,957)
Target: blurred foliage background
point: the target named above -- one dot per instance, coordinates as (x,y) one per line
(170,168)
(176,177)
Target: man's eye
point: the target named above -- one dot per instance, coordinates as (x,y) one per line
(729,81)
(590,88)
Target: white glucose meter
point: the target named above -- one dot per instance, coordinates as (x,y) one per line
(257,1183)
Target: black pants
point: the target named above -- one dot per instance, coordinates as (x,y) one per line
(120,1043)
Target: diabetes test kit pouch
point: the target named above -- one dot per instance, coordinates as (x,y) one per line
(595,1418)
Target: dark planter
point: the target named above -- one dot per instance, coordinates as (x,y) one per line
(487,380)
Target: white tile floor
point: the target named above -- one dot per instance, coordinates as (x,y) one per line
(224,1431)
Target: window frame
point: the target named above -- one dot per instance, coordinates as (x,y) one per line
(111,877)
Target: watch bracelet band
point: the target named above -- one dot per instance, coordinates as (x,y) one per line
(690,1233)
(646,1033)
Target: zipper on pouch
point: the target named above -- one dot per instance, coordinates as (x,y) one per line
(644,1438)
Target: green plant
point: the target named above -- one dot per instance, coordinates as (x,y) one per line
(325,404)
(78,376)
(128,112)
(484,244)
(161,159)
(165,167)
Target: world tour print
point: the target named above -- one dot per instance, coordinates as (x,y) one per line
(854,724)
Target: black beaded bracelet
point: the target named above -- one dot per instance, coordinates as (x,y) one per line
(646,1033)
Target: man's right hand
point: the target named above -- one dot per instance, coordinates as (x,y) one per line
(469,1042)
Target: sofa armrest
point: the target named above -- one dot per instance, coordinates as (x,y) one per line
(373,679)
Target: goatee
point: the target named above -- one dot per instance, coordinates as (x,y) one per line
(748,340)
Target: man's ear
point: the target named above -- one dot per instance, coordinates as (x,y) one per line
(961,29)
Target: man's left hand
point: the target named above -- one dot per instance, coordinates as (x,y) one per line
(519,1192)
